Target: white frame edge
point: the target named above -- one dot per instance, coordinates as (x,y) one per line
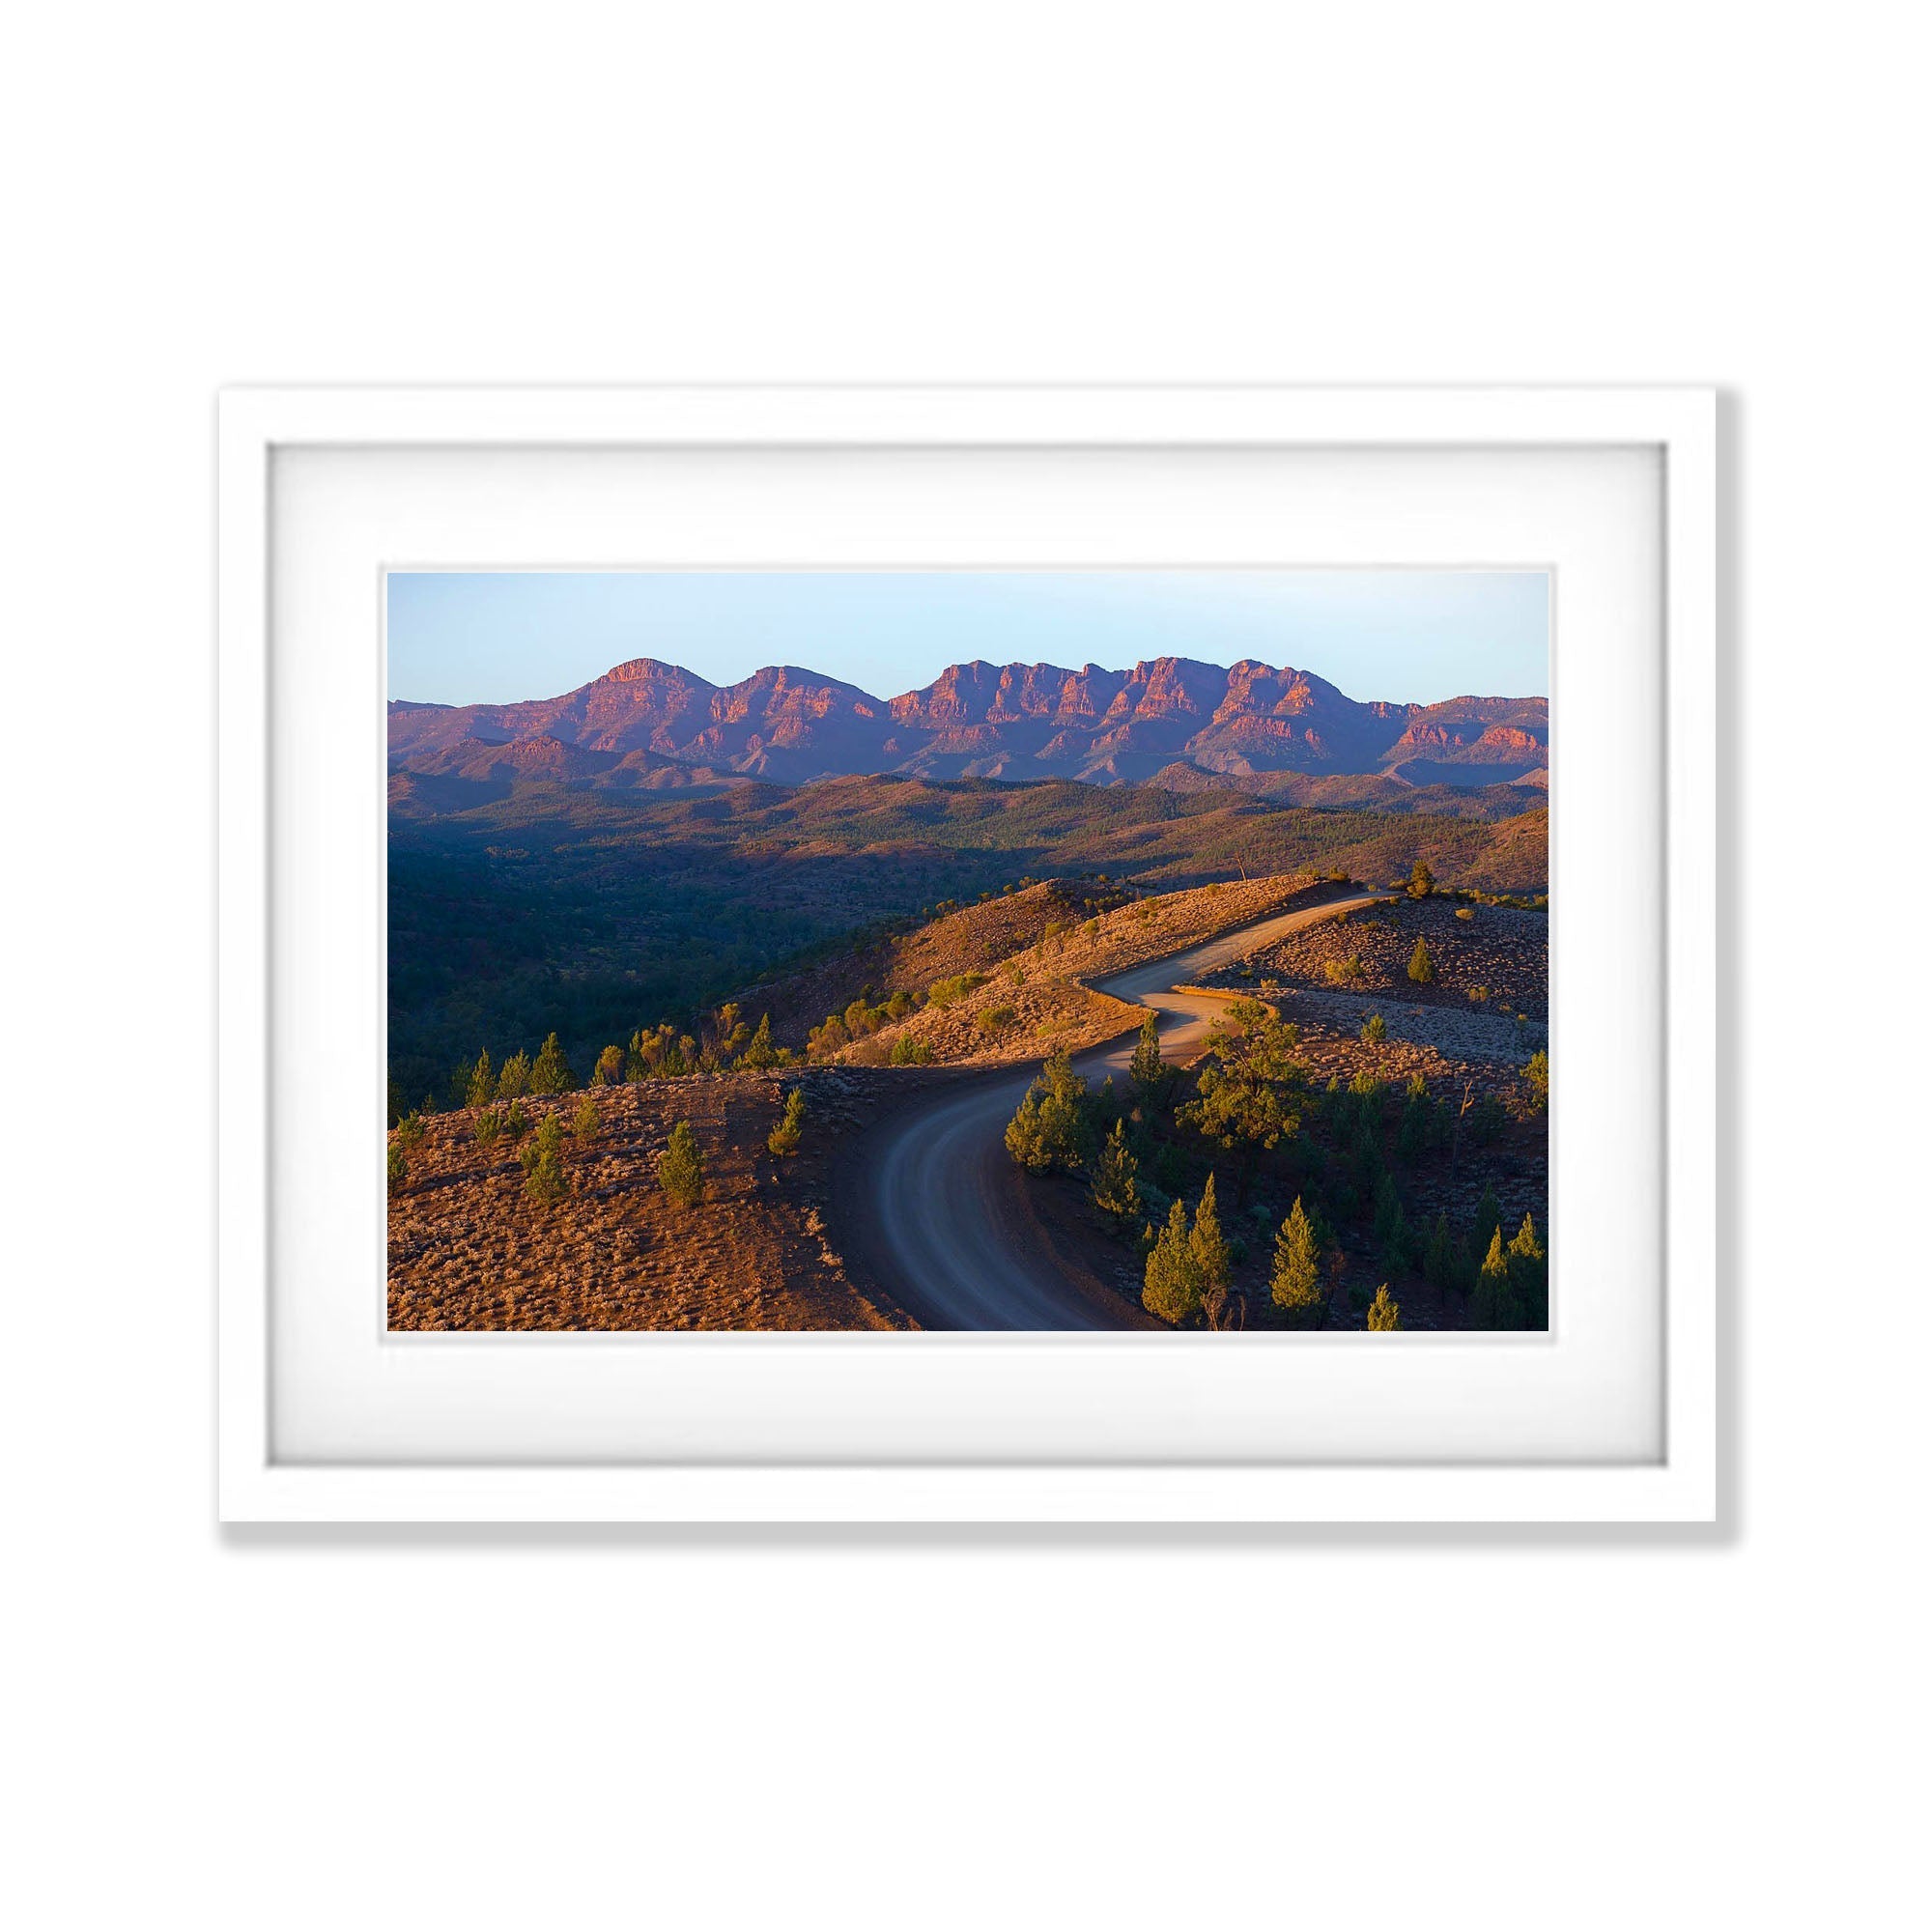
(1680,422)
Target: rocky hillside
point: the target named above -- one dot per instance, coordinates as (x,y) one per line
(470,1249)
(651,724)
(1017,991)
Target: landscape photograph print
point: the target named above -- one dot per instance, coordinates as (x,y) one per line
(1142,951)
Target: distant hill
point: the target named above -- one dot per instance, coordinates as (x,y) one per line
(1172,721)
(523,900)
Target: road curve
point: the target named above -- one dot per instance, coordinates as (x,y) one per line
(943,1223)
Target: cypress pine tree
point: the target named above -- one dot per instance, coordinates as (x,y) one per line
(1026,1140)
(784,1138)
(1147,1069)
(1438,1264)
(1529,1275)
(1296,1282)
(1412,1136)
(482,1087)
(1421,968)
(551,1073)
(515,1078)
(1392,1227)
(681,1167)
(1172,1287)
(1050,1127)
(1366,1155)
(1207,1245)
(1338,1110)
(586,1125)
(1526,1244)
(1383,1313)
(1489,1217)
(1388,1209)
(761,1052)
(610,1070)
(399,1167)
(543,1161)
(1116,1190)
(1490,1305)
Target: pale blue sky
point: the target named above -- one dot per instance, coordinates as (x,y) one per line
(1413,636)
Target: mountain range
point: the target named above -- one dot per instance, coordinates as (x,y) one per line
(1171,721)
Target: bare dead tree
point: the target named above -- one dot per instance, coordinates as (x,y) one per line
(1455,1136)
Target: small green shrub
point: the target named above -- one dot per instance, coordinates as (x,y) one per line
(681,1167)
(1536,1077)
(760,1051)
(544,1179)
(949,992)
(994,1019)
(784,1138)
(1375,1030)
(909,1052)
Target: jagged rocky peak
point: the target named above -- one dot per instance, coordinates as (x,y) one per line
(789,723)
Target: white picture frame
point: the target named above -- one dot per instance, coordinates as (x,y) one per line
(1676,1481)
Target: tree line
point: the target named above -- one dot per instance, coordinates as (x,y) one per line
(725,1043)
(1249,1109)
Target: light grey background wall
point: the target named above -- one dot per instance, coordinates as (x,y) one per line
(600,1728)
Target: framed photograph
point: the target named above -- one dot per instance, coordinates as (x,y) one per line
(968,955)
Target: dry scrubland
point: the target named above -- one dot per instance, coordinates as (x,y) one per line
(1436,1029)
(1499,953)
(998,983)
(1031,953)
(971,939)
(468,1249)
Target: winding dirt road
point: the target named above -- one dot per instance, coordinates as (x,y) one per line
(935,1205)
